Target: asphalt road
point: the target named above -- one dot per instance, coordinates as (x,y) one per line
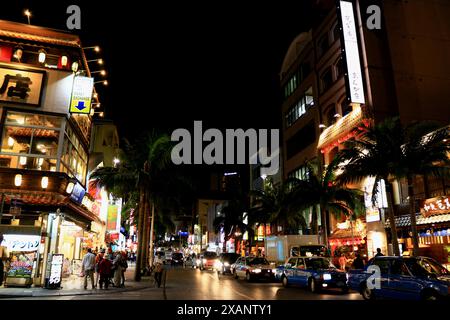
(193,284)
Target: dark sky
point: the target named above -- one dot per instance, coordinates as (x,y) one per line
(171,63)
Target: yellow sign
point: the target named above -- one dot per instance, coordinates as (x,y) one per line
(81,98)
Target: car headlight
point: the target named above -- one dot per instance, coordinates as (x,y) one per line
(274,270)
(326,276)
(226,264)
(257,270)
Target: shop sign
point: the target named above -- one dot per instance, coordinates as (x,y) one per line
(438,205)
(21,86)
(92,206)
(56,271)
(81,97)
(21,265)
(355,80)
(19,242)
(78,193)
(111,221)
(96,227)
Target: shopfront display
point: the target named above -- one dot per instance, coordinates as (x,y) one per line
(20,268)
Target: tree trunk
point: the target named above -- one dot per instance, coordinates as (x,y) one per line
(151,233)
(324,226)
(390,211)
(137,271)
(146,231)
(412,213)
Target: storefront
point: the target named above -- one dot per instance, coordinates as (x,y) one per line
(348,239)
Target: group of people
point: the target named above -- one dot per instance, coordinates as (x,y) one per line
(104,268)
(358,262)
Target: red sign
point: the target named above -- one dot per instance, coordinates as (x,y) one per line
(438,205)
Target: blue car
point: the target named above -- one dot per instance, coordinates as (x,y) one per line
(401,278)
(315,273)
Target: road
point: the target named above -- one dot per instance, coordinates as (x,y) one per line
(193,284)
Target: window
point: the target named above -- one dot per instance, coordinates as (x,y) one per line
(296,79)
(383,264)
(330,115)
(300,173)
(336,32)
(323,45)
(30,141)
(300,264)
(302,139)
(346,107)
(292,262)
(399,268)
(73,156)
(339,68)
(300,108)
(326,80)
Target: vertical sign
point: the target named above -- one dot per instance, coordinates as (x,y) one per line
(111,222)
(82,89)
(352,52)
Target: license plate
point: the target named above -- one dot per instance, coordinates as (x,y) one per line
(340,284)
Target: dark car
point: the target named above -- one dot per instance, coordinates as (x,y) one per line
(207,260)
(404,278)
(177,258)
(223,264)
(313,272)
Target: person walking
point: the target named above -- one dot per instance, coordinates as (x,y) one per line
(98,259)
(158,273)
(124,267)
(87,267)
(104,269)
(3,256)
(358,263)
(342,261)
(117,263)
(379,254)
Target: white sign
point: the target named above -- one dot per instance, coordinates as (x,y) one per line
(81,95)
(352,53)
(56,269)
(20,242)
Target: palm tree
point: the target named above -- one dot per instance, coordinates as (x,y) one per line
(321,190)
(389,150)
(274,204)
(142,164)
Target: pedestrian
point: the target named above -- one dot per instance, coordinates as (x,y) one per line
(342,261)
(3,256)
(124,267)
(379,254)
(104,269)
(87,267)
(117,263)
(358,263)
(158,273)
(98,259)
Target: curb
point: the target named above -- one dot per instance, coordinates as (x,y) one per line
(34,294)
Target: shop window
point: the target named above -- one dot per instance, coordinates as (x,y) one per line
(326,80)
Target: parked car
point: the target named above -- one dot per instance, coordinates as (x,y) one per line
(315,273)
(177,258)
(252,268)
(406,278)
(224,262)
(207,260)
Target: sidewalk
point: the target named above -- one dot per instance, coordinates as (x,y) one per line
(74,286)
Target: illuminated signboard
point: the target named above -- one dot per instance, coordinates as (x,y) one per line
(82,89)
(438,205)
(78,193)
(355,80)
(21,85)
(56,271)
(20,242)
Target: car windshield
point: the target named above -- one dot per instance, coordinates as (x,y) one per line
(317,263)
(256,261)
(230,257)
(177,255)
(426,266)
(302,251)
(209,255)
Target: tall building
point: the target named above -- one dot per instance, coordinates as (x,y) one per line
(342,73)
(45,123)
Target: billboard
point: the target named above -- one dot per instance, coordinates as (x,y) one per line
(351,49)
(111,221)
(81,98)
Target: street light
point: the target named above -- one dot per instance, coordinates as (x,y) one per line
(105,82)
(99,61)
(96,48)
(102,72)
(28,14)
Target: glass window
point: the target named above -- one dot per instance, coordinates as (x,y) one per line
(292,262)
(317,263)
(383,264)
(323,45)
(326,80)
(346,107)
(300,263)
(330,115)
(339,68)
(300,107)
(336,32)
(399,268)
(256,261)
(73,156)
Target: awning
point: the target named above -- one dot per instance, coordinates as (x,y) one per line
(405,220)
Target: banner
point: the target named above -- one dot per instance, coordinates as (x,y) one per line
(111,222)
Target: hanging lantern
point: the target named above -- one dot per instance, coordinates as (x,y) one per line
(75,66)
(42,56)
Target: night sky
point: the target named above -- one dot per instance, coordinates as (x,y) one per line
(172,63)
